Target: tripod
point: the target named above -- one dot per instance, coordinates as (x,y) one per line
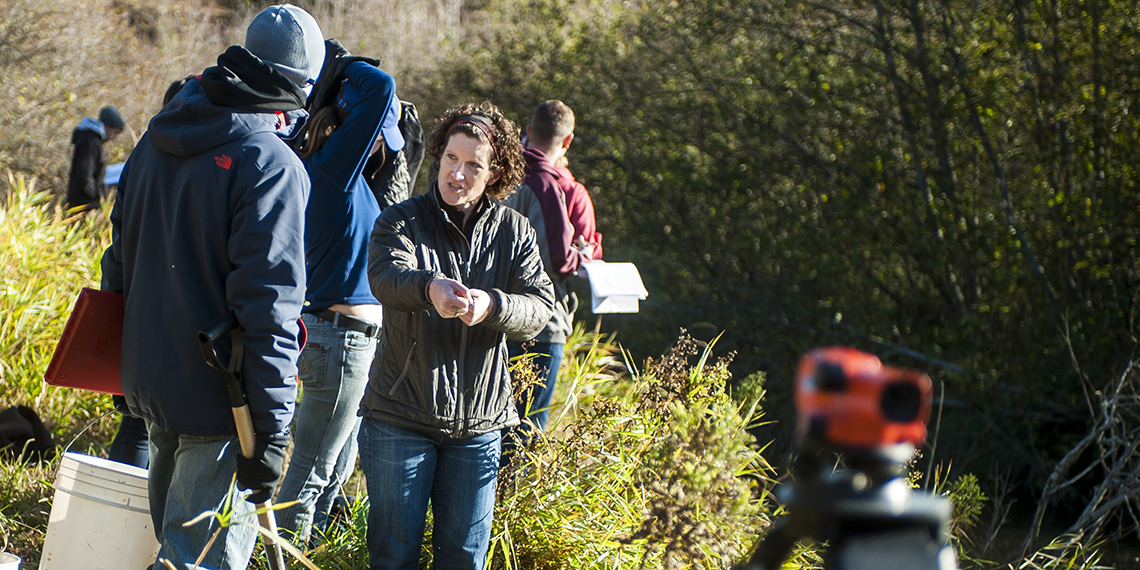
(869,515)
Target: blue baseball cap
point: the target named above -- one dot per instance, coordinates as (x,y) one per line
(390,128)
(393,138)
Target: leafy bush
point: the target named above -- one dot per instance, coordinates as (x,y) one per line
(657,470)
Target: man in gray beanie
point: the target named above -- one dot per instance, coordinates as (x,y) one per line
(208,224)
(85,188)
(288,39)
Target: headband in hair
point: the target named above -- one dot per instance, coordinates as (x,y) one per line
(481,122)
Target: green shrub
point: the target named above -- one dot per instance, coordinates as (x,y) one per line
(655,470)
(949,184)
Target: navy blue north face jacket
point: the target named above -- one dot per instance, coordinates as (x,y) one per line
(209,219)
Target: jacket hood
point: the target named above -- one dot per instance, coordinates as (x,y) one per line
(563,175)
(536,162)
(191,124)
(89,125)
(246,83)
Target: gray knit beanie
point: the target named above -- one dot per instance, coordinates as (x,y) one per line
(289,39)
(110,117)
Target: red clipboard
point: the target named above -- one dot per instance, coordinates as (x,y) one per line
(90,350)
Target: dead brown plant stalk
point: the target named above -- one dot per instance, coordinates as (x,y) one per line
(1107,455)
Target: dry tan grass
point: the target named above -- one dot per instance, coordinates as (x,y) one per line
(79,57)
(404,36)
(64,60)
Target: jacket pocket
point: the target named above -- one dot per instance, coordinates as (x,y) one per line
(404,372)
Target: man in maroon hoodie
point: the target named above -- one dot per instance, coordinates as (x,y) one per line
(561,211)
(580,208)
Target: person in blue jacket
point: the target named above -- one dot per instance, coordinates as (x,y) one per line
(360,118)
(131,444)
(208,223)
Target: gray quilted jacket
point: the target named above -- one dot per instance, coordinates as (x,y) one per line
(439,375)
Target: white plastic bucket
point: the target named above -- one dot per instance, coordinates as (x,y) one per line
(100,517)
(9,561)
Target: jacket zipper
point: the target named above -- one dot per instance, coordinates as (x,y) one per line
(460,369)
(404,372)
(461,366)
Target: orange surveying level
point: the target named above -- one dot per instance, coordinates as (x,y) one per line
(858,423)
(848,399)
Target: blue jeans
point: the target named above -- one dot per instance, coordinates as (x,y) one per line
(131,445)
(405,468)
(190,475)
(333,373)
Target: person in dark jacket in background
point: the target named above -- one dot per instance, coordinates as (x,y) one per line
(342,316)
(85,188)
(208,223)
(456,273)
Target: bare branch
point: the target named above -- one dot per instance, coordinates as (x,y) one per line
(1115,439)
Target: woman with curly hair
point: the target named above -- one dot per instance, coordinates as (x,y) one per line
(457,273)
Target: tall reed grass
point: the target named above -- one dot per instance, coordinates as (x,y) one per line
(46,260)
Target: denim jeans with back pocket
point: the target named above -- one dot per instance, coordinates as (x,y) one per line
(333,374)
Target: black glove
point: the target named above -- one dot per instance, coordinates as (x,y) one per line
(328,83)
(120,403)
(260,472)
(334,49)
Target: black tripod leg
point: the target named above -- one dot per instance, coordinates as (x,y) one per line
(773,549)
